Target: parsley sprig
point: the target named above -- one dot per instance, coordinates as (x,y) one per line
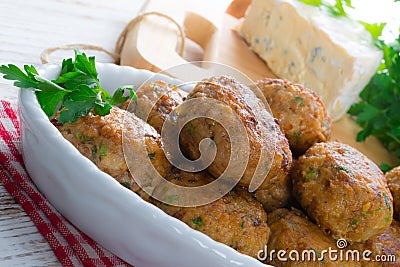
(378,111)
(76,91)
(336,10)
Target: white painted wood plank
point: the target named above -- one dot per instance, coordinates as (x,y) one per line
(27,28)
(20,242)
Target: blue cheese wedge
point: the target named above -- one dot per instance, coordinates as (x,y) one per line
(334,56)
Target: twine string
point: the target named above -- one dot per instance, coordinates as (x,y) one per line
(44,57)
(116,55)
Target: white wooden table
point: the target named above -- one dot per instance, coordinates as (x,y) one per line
(26,29)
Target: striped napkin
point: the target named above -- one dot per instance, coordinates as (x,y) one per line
(70,245)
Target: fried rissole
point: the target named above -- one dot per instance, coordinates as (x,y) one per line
(393,180)
(300,112)
(99,138)
(343,191)
(292,231)
(236,98)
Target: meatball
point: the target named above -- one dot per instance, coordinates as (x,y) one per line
(300,112)
(156,100)
(343,191)
(100,140)
(292,231)
(236,219)
(277,194)
(235,99)
(393,180)
(383,247)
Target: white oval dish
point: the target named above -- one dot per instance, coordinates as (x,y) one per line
(113,216)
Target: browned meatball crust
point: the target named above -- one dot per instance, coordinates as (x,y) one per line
(156,100)
(276,194)
(343,191)
(100,140)
(291,230)
(236,219)
(383,247)
(237,97)
(393,180)
(300,112)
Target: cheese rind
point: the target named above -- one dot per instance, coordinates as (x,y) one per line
(334,56)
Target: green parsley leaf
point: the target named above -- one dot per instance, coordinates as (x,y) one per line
(73,111)
(385,167)
(312,173)
(198,221)
(78,103)
(23,80)
(31,71)
(126,184)
(348,3)
(335,10)
(377,112)
(49,101)
(85,65)
(367,114)
(354,222)
(76,92)
(47,86)
(387,202)
(312,2)
(374,29)
(67,66)
(341,168)
(103,150)
(119,97)
(74,79)
(102,109)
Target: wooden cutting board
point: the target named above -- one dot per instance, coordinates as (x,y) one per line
(154,41)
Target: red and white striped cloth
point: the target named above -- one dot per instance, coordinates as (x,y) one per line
(70,245)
